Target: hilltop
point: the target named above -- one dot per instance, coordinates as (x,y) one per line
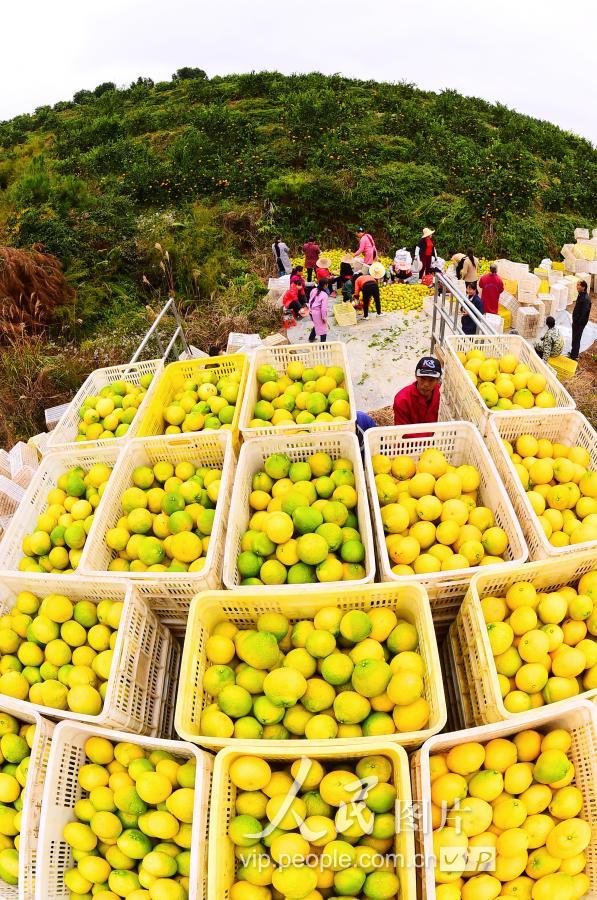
(213,168)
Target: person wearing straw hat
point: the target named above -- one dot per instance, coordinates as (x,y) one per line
(366,248)
(323,268)
(368,286)
(427,251)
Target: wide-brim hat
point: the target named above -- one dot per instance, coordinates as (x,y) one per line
(357,264)
(427,232)
(323,262)
(377,270)
(457,257)
(347,258)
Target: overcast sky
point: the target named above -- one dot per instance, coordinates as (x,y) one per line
(536,56)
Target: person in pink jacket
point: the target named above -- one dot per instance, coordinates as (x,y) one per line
(366,248)
(318,307)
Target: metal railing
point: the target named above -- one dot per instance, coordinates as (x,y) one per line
(448,304)
(169,308)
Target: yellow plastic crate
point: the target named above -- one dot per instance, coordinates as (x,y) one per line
(333,353)
(579,718)
(564,366)
(143,662)
(173,377)
(511,286)
(564,426)
(62,790)
(506,315)
(222,861)
(471,629)
(463,396)
(244,606)
(345,314)
(67,428)
(34,786)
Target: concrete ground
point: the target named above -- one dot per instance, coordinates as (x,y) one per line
(382,351)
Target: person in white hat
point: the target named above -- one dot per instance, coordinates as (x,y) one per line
(427,252)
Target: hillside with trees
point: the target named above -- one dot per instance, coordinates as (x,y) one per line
(209,170)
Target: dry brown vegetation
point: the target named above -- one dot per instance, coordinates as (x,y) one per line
(32,286)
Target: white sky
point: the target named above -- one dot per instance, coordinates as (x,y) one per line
(536,56)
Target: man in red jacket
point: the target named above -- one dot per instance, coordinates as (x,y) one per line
(419,402)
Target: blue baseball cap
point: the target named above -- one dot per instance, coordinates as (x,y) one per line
(428,367)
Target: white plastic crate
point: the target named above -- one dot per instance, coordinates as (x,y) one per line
(65,432)
(35,499)
(24,460)
(527,322)
(579,718)
(213,448)
(139,675)
(252,457)
(4,464)
(10,497)
(461,444)
(332,354)
(464,398)
(62,790)
(31,795)
(561,426)
(478,665)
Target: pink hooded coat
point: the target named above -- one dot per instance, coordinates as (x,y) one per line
(318,307)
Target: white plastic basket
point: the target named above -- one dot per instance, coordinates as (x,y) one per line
(332,354)
(10,496)
(62,790)
(579,718)
(137,685)
(252,457)
(24,460)
(464,398)
(4,463)
(34,786)
(65,432)
(486,701)
(214,448)
(35,500)
(461,444)
(562,426)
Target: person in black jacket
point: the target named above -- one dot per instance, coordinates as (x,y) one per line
(469,326)
(580,317)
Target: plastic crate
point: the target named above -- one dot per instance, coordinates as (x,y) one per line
(563,365)
(210,449)
(245,605)
(461,444)
(579,718)
(4,463)
(252,457)
(171,379)
(34,785)
(138,675)
(65,432)
(465,399)
(62,791)
(35,501)
(345,314)
(332,354)
(24,460)
(472,630)
(222,861)
(567,427)
(10,496)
